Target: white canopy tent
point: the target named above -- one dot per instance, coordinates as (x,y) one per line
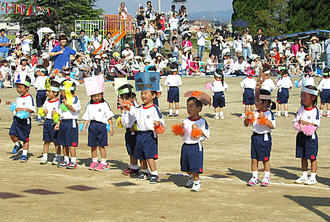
(42,31)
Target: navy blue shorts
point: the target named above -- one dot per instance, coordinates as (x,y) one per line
(325,96)
(146,146)
(156,101)
(21,128)
(283,96)
(68,133)
(41,97)
(130,141)
(260,148)
(248,96)
(97,134)
(219,100)
(49,134)
(173,94)
(306,146)
(191,158)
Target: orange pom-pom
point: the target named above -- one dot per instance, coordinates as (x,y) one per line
(159,129)
(251,121)
(196,133)
(177,129)
(128,105)
(262,121)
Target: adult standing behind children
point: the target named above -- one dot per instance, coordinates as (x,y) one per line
(201,42)
(4,43)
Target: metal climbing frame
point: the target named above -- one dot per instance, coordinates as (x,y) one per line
(89,26)
(117,23)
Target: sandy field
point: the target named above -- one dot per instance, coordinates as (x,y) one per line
(33,192)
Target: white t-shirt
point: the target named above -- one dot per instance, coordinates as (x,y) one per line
(284,82)
(218,87)
(248,83)
(247,39)
(26,45)
(309,115)
(173,80)
(173,23)
(146,116)
(51,106)
(99,112)
(26,102)
(268,85)
(69,114)
(200,38)
(260,129)
(202,124)
(324,84)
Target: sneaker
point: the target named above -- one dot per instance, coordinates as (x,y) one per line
(222,117)
(286,114)
(93,165)
(72,165)
(175,115)
(265,182)
(327,115)
(278,113)
(24,158)
(196,187)
(310,181)
(62,164)
(243,116)
(169,115)
(253,181)
(154,179)
(101,167)
(143,176)
(301,180)
(56,161)
(43,161)
(16,149)
(216,117)
(190,182)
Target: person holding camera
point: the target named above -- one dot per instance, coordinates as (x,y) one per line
(216,49)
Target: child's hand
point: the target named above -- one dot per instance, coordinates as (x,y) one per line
(84,130)
(157,123)
(250,116)
(195,126)
(53,112)
(261,115)
(45,112)
(57,127)
(111,131)
(64,102)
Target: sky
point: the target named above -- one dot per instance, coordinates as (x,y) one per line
(111,6)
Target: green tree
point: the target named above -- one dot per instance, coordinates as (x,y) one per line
(65,13)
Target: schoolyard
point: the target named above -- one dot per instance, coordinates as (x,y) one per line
(33,192)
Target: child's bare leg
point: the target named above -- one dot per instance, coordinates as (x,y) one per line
(313,166)
(196,176)
(103,152)
(57,149)
(132,159)
(279,107)
(152,165)
(266,165)
(26,145)
(304,164)
(143,164)
(14,138)
(251,108)
(246,109)
(45,149)
(286,107)
(94,152)
(177,106)
(254,165)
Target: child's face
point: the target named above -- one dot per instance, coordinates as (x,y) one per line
(307,99)
(21,89)
(5,64)
(147,97)
(51,94)
(97,97)
(261,105)
(192,109)
(39,73)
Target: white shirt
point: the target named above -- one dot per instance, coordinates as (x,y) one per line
(127,119)
(260,129)
(309,115)
(39,84)
(306,81)
(27,72)
(249,83)
(284,82)
(247,39)
(126,54)
(146,116)
(51,106)
(201,123)
(4,71)
(26,45)
(96,41)
(324,84)
(301,56)
(69,114)
(240,66)
(200,38)
(218,87)
(173,80)
(173,23)
(268,85)
(25,102)
(99,112)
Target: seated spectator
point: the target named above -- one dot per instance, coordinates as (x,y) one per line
(240,66)
(211,64)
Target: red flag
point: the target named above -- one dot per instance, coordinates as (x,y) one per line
(2,6)
(19,9)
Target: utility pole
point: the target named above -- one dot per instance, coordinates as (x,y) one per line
(159,6)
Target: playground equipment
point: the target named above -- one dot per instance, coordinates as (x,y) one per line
(89,26)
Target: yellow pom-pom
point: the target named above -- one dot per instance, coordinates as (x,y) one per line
(41,112)
(119,123)
(56,117)
(135,127)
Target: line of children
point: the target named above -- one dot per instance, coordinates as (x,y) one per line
(263,122)
(173,82)
(284,83)
(21,126)
(98,115)
(127,92)
(306,123)
(67,126)
(191,160)
(249,85)
(219,87)
(324,88)
(51,108)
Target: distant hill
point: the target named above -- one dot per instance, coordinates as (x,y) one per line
(224,16)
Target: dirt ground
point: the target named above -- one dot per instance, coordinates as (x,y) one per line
(33,192)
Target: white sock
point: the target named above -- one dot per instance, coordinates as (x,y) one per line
(267,173)
(221,113)
(104,161)
(135,167)
(177,112)
(190,177)
(45,156)
(25,152)
(171,111)
(304,175)
(255,174)
(197,182)
(94,159)
(154,173)
(321,112)
(313,175)
(328,112)
(216,114)
(66,159)
(17,143)
(73,159)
